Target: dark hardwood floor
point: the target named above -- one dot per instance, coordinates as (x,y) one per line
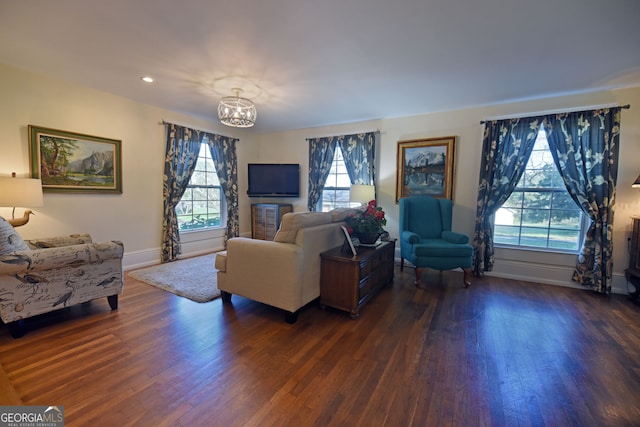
(501,353)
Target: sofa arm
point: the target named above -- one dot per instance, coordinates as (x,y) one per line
(57,257)
(52,242)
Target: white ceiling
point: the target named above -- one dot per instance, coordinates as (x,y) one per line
(310,63)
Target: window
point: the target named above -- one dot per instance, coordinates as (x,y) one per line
(540,213)
(202,203)
(335,193)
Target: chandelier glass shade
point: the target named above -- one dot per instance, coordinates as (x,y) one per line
(236,111)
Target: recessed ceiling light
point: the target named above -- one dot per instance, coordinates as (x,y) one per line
(147,79)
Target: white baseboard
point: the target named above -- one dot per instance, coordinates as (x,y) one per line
(140,259)
(543,273)
(548,275)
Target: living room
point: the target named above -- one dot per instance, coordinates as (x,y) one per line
(135,216)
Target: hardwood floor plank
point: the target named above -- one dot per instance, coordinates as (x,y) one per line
(502,352)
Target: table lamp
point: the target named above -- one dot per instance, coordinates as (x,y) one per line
(361,193)
(20,192)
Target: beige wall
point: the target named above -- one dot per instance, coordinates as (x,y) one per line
(135,216)
(465,125)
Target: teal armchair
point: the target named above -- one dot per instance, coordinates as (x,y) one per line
(426,239)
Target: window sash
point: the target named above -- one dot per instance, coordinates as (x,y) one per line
(532,216)
(202,204)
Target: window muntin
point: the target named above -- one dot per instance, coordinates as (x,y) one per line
(540,213)
(201,205)
(335,193)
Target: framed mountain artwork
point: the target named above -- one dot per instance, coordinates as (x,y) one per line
(74,162)
(426,167)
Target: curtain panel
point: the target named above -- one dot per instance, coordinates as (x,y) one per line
(358,151)
(321,151)
(181,154)
(585,148)
(223,153)
(506,147)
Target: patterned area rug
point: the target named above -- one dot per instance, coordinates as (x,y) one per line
(193,278)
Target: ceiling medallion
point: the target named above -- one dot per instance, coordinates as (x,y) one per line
(236,111)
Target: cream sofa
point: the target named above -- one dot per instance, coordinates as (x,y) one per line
(39,276)
(284,273)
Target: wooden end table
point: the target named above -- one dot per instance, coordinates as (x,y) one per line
(347,282)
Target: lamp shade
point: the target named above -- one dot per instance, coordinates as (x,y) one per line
(360,193)
(20,192)
(636,183)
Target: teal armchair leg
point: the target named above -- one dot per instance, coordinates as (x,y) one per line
(467,277)
(418,276)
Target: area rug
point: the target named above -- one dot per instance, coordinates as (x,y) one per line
(193,278)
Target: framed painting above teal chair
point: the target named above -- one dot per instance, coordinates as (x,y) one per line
(426,239)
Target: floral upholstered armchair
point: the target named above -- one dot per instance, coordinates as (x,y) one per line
(39,276)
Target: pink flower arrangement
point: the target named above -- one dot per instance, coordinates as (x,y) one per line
(367,221)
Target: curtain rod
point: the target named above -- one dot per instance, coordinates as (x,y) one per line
(164,122)
(625,107)
(378,131)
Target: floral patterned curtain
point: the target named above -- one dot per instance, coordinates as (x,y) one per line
(506,147)
(321,152)
(585,147)
(223,153)
(358,151)
(181,154)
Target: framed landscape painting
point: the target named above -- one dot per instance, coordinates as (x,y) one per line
(74,162)
(426,167)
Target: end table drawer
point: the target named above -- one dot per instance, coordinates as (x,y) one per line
(365,268)
(364,288)
(347,282)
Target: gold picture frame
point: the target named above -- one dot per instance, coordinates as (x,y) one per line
(74,162)
(426,167)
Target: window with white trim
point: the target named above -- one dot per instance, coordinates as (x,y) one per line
(202,204)
(540,213)
(335,193)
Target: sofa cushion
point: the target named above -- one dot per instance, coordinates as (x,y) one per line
(10,241)
(293,221)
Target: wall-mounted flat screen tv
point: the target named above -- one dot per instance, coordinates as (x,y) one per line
(274,180)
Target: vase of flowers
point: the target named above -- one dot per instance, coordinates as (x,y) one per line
(367,224)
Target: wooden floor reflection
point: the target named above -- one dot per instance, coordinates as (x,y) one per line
(501,353)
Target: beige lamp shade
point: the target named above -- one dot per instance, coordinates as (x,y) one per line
(20,192)
(636,183)
(360,193)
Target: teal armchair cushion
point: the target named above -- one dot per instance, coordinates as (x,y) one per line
(453,237)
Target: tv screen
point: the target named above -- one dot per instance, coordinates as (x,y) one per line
(274,180)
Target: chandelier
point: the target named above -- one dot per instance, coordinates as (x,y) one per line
(236,111)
